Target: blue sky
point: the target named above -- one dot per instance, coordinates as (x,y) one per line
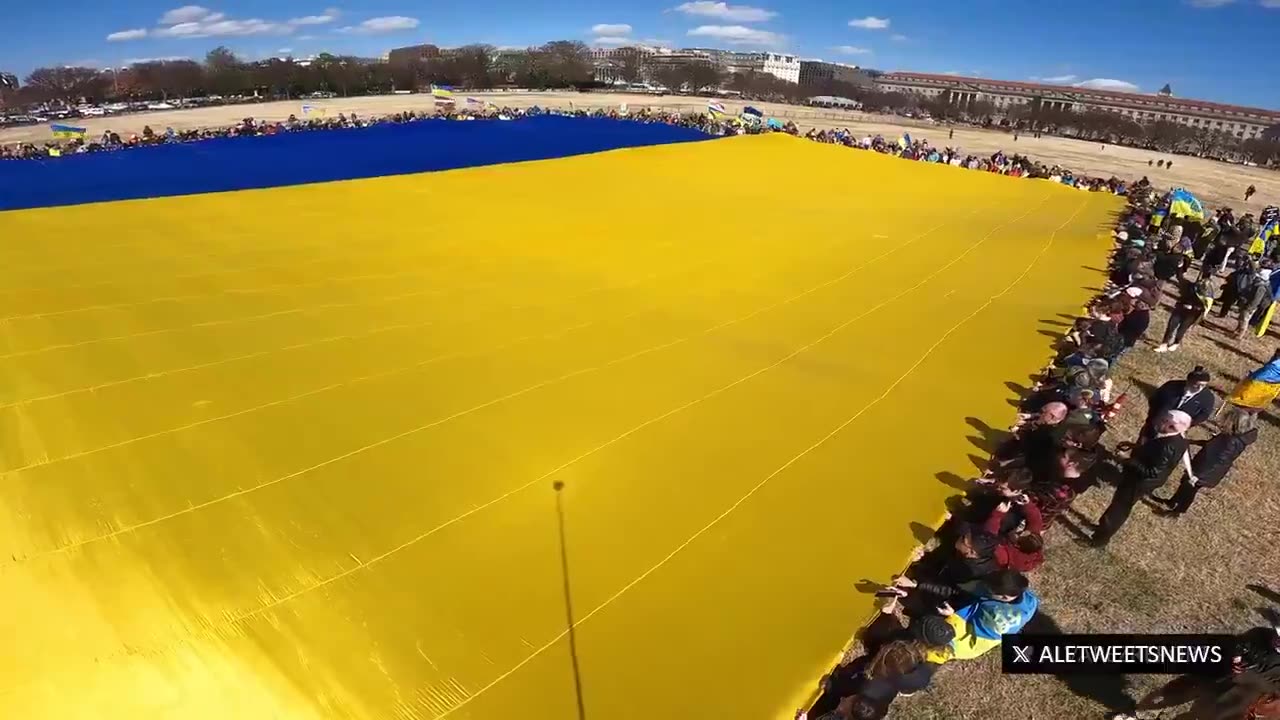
(1208,49)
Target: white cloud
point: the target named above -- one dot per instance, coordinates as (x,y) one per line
(1214,3)
(851,50)
(285,51)
(898,38)
(122,35)
(739,35)
(612,40)
(870,22)
(1056,79)
(305,37)
(611,29)
(952,72)
(379,25)
(186,14)
(1270,3)
(656,42)
(328,16)
(725,11)
(224,28)
(140,61)
(195,21)
(1107,84)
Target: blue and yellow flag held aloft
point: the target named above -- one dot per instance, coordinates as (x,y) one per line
(442,91)
(1183,204)
(67,132)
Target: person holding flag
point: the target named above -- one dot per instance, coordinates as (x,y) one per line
(443,94)
(68,132)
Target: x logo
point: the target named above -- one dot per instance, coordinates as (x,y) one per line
(1022,654)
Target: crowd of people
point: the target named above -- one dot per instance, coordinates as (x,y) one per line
(316,120)
(974,585)
(711,123)
(1014,165)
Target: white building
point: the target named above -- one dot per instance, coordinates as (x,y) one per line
(783,67)
(1242,122)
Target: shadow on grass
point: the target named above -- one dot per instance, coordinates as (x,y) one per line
(1237,351)
(1108,690)
(1265,592)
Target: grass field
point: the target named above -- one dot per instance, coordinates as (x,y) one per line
(288,453)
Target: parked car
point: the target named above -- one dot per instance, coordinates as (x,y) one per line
(159,106)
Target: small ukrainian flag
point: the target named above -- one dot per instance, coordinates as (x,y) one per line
(67,132)
(442,91)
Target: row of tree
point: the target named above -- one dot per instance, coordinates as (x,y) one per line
(569,64)
(555,64)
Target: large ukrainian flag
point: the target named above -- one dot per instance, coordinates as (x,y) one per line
(281,416)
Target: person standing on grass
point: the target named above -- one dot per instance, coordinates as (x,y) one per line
(1191,396)
(1255,301)
(1133,326)
(1192,305)
(1237,289)
(1148,467)
(1213,461)
(1250,690)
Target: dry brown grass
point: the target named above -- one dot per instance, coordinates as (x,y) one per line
(1215,182)
(1159,575)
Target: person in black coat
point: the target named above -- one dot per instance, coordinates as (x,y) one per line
(1213,461)
(1134,325)
(1191,306)
(1191,396)
(1148,467)
(1236,288)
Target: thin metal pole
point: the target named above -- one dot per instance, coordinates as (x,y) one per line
(568,604)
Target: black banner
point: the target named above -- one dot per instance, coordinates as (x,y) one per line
(1133,654)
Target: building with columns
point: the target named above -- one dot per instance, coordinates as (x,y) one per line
(1242,122)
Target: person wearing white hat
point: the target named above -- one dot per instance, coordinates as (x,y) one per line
(1148,468)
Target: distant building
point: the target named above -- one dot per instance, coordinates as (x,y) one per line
(608,63)
(411,54)
(783,67)
(817,73)
(1241,122)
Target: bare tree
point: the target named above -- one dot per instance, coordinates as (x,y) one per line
(340,73)
(565,62)
(225,73)
(473,65)
(671,77)
(703,76)
(630,65)
(279,76)
(169,77)
(8,90)
(68,84)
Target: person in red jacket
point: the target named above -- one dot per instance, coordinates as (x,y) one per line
(1023,549)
